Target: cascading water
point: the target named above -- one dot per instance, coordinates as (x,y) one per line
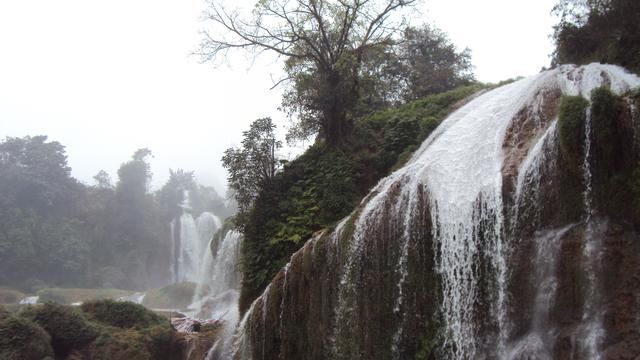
(190,240)
(187,249)
(453,229)
(216,296)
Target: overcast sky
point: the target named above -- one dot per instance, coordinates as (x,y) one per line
(107,77)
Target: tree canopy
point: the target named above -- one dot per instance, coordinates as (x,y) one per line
(324,43)
(251,166)
(606,31)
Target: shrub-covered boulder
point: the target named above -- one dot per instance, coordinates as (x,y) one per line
(67,326)
(21,339)
(123,314)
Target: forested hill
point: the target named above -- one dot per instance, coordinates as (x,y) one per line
(56,231)
(325,184)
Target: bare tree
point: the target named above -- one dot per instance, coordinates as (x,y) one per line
(323,41)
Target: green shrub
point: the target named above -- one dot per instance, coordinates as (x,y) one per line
(21,339)
(122,314)
(66,325)
(174,296)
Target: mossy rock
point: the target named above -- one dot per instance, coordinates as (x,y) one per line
(123,314)
(571,120)
(21,339)
(66,325)
(174,296)
(10,296)
(113,343)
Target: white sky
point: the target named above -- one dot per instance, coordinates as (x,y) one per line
(107,77)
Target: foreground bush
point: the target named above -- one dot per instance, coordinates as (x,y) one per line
(21,339)
(67,326)
(123,314)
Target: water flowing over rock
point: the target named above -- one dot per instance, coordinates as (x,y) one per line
(190,239)
(492,242)
(217,292)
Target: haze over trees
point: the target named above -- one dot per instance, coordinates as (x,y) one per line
(57,231)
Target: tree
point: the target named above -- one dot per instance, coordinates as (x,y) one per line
(253,165)
(171,195)
(604,31)
(103,180)
(431,64)
(323,42)
(38,204)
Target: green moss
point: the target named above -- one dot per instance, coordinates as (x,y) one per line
(571,120)
(174,296)
(21,339)
(66,325)
(122,314)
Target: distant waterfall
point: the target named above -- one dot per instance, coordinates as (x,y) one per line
(190,243)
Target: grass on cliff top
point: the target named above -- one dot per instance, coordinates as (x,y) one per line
(71,295)
(174,296)
(123,314)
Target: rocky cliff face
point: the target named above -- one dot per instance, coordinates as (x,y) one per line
(512,233)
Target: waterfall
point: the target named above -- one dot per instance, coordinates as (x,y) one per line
(187,248)
(217,292)
(190,241)
(446,218)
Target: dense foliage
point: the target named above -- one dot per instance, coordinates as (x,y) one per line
(103,329)
(253,165)
(325,184)
(122,314)
(57,231)
(605,31)
(343,59)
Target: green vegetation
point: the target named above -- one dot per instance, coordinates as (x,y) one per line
(21,339)
(571,120)
(57,232)
(70,296)
(326,183)
(174,296)
(253,165)
(66,325)
(122,314)
(103,329)
(604,31)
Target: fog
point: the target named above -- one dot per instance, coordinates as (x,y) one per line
(107,78)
